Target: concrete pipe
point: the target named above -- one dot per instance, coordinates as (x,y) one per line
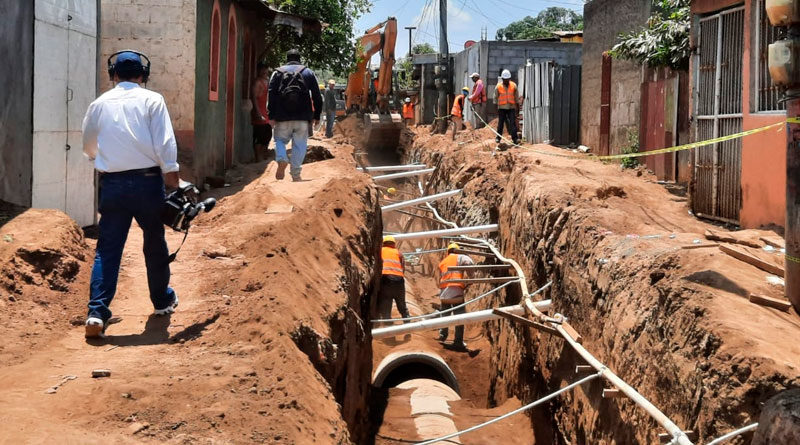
(401,366)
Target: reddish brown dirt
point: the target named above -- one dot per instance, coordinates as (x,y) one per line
(269,344)
(675,323)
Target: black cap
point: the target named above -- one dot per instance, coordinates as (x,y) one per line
(293,55)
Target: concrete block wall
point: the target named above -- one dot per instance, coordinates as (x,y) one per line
(604,20)
(164,30)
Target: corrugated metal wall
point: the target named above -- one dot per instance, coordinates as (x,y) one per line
(551,111)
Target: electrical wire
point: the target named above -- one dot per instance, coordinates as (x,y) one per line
(516,411)
(440,313)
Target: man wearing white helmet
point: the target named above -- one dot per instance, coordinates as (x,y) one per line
(408,112)
(508,102)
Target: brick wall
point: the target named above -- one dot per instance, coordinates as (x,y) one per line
(604,20)
(164,30)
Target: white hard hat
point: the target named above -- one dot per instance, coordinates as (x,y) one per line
(408,99)
(475,75)
(506,74)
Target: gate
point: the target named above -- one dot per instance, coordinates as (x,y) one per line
(717,188)
(552,103)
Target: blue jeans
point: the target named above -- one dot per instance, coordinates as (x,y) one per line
(330,117)
(297,132)
(124,197)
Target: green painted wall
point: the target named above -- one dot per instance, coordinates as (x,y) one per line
(209,123)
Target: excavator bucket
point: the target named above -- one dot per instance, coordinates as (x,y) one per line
(382,131)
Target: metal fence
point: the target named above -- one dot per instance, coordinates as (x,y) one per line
(551,109)
(717,191)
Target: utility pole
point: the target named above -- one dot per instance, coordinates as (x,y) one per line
(410,28)
(784,57)
(792,233)
(444,67)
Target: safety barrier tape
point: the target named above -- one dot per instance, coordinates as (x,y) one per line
(729,137)
(791,120)
(791,258)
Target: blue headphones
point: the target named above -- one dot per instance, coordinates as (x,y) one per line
(112,66)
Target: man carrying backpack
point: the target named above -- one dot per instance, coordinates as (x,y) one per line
(292,89)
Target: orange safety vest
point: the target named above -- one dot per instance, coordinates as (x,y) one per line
(408,111)
(391,261)
(458,106)
(506,97)
(450,261)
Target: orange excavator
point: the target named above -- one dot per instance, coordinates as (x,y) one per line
(382,128)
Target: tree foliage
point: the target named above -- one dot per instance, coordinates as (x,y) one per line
(333,49)
(422,48)
(543,25)
(663,42)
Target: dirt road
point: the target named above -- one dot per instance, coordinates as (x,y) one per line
(233,364)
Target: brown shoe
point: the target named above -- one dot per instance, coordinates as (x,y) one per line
(281,173)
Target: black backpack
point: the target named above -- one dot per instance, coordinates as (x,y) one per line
(292,90)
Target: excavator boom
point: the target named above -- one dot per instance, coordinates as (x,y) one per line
(383,128)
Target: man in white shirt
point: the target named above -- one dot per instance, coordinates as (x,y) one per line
(128,133)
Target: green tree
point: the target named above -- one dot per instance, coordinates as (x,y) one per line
(422,48)
(664,41)
(543,25)
(333,49)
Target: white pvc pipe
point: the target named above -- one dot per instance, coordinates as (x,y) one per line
(675,431)
(445,232)
(733,434)
(422,200)
(404,174)
(452,320)
(389,168)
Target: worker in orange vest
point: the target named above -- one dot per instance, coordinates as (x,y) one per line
(508,103)
(478,100)
(408,112)
(393,287)
(457,112)
(452,294)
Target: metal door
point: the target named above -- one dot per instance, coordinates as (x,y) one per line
(717,190)
(65,69)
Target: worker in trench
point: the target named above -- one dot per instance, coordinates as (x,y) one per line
(393,286)
(457,112)
(452,294)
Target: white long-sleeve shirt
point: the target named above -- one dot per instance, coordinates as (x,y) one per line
(128,128)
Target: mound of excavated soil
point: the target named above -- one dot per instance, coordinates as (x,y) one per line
(269,344)
(44,266)
(675,322)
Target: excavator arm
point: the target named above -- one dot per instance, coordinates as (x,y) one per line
(381,130)
(370,43)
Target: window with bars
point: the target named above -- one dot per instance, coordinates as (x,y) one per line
(767,95)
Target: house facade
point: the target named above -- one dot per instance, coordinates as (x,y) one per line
(204,54)
(741,181)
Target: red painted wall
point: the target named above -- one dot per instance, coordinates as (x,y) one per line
(763,154)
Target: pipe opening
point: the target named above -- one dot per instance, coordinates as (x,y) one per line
(397,368)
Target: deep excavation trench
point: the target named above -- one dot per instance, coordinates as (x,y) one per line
(670,322)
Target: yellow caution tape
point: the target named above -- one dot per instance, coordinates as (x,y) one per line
(729,137)
(791,258)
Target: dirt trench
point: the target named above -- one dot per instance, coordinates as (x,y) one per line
(673,322)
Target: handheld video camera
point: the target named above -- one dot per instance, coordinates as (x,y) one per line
(181,207)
